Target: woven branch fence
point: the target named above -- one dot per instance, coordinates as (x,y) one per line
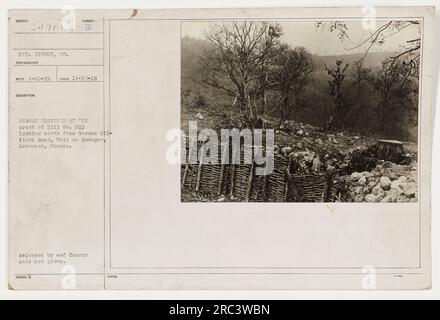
(240,182)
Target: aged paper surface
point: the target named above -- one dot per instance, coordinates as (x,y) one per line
(103,196)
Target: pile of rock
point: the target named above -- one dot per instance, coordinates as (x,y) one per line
(388,182)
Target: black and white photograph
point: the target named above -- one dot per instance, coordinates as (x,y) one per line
(300,110)
(227,152)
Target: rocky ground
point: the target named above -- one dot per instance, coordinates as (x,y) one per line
(388,182)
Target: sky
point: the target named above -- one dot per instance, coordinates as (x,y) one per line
(321,41)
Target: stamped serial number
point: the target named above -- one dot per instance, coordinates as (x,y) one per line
(220,309)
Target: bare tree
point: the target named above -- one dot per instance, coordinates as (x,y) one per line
(395,80)
(360,83)
(289,76)
(337,75)
(410,48)
(238,62)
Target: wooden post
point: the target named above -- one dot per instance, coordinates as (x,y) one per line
(326,190)
(250,180)
(185,173)
(265,178)
(265,181)
(231,191)
(220,182)
(234,169)
(222,173)
(291,189)
(199,172)
(287,177)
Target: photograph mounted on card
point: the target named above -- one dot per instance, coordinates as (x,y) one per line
(271,148)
